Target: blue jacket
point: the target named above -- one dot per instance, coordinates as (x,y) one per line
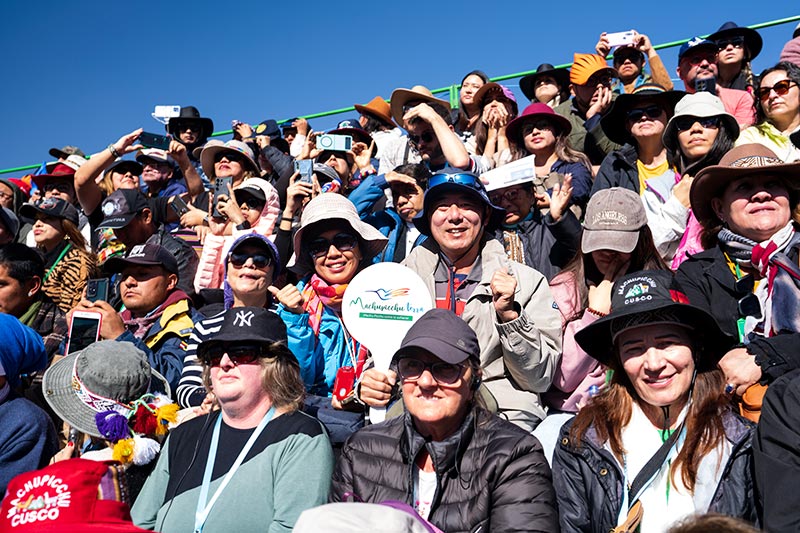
(319,356)
(388,221)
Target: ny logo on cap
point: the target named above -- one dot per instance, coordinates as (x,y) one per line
(243,318)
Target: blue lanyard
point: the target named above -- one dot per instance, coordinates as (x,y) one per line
(203,505)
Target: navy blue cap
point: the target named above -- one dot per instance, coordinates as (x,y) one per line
(696,42)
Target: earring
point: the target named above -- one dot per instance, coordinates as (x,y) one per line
(30,293)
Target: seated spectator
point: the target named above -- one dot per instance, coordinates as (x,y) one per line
(160,174)
(12,196)
(59,182)
(738,46)
(128,213)
(637,121)
(331,246)
(469,112)
(745,204)
(158,317)
(251,266)
(97,500)
(407,184)
(192,131)
(376,118)
(616,241)
(498,108)
(9,226)
(697,67)
(446,434)
(548,85)
(697,136)
(590,83)
(544,134)
(257,383)
(629,63)
(352,165)
(666,395)
(507,303)
(544,242)
(69,265)
(252,208)
(110,396)
(777,111)
(27,436)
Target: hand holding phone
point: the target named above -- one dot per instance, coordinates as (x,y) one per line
(221,189)
(305,167)
(97,290)
(620,38)
(153,140)
(179,206)
(84,329)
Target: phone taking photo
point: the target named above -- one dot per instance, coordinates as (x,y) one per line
(220,189)
(305,167)
(97,290)
(83,330)
(179,206)
(153,140)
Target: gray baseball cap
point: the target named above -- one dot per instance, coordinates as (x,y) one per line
(445,335)
(613,219)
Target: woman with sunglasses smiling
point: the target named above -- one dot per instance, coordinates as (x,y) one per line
(331,246)
(250,267)
(462,468)
(637,121)
(696,137)
(777,111)
(738,47)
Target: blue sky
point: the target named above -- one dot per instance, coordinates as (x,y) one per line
(85,73)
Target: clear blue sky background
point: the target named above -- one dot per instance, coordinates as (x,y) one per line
(84,73)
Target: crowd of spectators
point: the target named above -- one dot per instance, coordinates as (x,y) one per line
(614,282)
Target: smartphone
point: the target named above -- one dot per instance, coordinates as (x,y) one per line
(337,143)
(305,167)
(708,85)
(220,189)
(620,38)
(179,206)
(153,140)
(344,382)
(97,290)
(84,330)
(167,111)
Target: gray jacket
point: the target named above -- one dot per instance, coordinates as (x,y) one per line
(519,357)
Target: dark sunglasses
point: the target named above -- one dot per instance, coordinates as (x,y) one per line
(411,369)
(541,124)
(426,137)
(238,259)
(230,156)
(686,123)
(59,187)
(652,111)
(188,126)
(341,241)
(780,88)
(737,42)
(240,354)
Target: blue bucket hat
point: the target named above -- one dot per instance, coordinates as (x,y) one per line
(462,182)
(21,350)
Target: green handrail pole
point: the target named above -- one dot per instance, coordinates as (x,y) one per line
(452,90)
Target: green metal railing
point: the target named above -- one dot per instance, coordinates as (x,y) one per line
(453,90)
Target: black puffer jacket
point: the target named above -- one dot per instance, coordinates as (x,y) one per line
(492,475)
(588,480)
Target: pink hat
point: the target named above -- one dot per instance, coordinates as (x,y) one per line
(535,111)
(791,52)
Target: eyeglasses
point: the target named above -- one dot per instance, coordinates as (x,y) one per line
(341,241)
(697,59)
(426,137)
(510,195)
(541,124)
(686,123)
(652,111)
(240,354)
(736,42)
(238,259)
(781,88)
(411,369)
(469,180)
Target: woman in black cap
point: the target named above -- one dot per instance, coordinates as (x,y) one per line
(738,46)
(68,263)
(660,438)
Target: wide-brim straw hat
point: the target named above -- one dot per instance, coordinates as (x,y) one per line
(418,93)
(210,151)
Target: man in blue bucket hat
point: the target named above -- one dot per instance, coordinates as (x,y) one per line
(507,304)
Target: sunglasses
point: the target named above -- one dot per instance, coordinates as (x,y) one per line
(410,369)
(239,354)
(341,241)
(238,259)
(511,195)
(58,187)
(736,42)
(686,123)
(468,180)
(233,157)
(652,111)
(780,88)
(541,124)
(426,137)
(188,126)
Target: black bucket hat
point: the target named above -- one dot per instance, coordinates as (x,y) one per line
(615,122)
(752,39)
(527,84)
(463,182)
(650,297)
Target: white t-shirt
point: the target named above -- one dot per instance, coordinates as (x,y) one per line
(424,491)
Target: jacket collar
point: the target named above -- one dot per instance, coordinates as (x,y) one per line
(445,454)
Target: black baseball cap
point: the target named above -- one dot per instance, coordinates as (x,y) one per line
(144,254)
(54,207)
(250,324)
(442,333)
(121,207)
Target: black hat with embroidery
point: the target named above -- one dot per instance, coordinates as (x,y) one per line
(644,298)
(249,324)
